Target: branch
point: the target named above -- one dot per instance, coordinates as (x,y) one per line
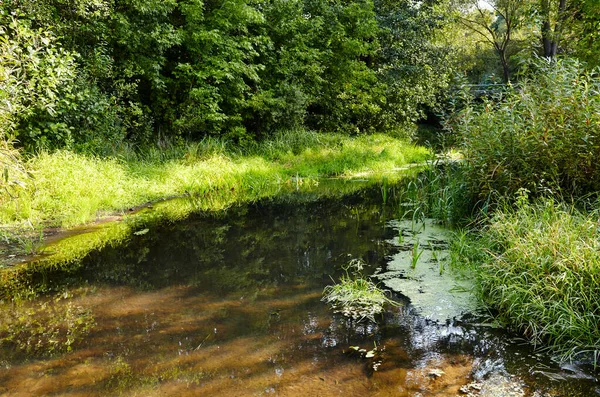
(469,24)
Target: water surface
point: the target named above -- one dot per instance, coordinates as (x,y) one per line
(228,304)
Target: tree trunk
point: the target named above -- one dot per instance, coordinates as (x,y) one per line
(505,67)
(551,34)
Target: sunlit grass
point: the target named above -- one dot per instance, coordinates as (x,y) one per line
(539,266)
(355,296)
(71,189)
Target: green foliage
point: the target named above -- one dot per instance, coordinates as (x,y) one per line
(220,68)
(584,24)
(414,63)
(538,266)
(34,71)
(141,71)
(13,173)
(545,135)
(439,192)
(355,296)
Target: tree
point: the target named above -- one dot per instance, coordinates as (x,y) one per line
(495,21)
(414,62)
(583,22)
(553,17)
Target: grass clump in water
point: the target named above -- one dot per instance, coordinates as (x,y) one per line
(355,296)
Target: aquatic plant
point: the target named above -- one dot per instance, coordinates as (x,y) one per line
(46,328)
(356,296)
(439,192)
(415,254)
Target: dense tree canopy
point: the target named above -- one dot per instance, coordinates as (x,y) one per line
(140,70)
(96,74)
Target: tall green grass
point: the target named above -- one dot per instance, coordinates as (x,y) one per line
(440,191)
(536,262)
(70,189)
(543,136)
(538,265)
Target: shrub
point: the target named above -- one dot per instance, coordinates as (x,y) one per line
(34,71)
(544,136)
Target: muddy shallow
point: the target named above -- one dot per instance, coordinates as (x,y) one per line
(229,305)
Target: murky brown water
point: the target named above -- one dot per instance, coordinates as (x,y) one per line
(229,305)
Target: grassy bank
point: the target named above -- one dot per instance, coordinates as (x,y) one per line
(536,261)
(70,189)
(538,266)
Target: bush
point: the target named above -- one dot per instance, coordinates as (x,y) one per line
(34,70)
(84,119)
(544,136)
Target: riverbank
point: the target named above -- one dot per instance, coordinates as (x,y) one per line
(537,265)
(534,261)
(69,190)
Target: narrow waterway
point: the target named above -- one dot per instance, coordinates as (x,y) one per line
(229,304)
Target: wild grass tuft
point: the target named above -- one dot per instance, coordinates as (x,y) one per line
(355,296)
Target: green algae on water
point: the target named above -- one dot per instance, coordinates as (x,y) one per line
(419,272)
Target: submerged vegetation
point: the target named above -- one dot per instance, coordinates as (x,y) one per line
(42,329)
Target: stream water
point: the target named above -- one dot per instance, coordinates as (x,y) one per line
(229,304)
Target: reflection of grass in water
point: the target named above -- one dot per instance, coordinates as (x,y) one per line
(355,296)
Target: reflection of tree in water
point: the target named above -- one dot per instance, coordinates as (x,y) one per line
(262,245)
(232,307)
